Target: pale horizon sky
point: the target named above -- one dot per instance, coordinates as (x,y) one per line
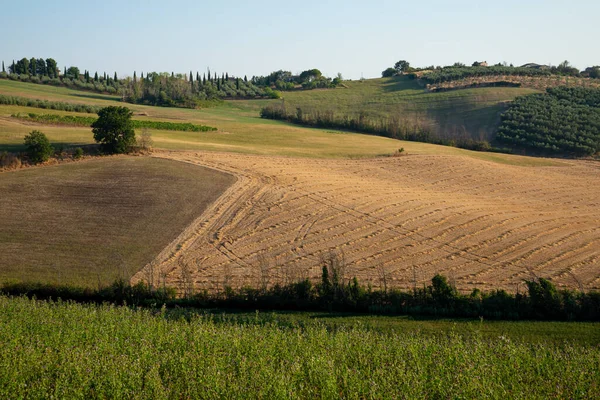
(355,38)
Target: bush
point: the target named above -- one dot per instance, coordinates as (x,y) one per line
(78,153)
(388,72)
(144,141)
(38,147)
(8,160)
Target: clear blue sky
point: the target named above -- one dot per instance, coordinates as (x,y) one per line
(257,37)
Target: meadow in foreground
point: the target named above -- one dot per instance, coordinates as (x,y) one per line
(65,350)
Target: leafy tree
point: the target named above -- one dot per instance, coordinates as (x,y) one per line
(33,66)
(114,129)
(52,68)
(402,66)
(389,72)
(41,67)
(309,75)
(73,73)
(38,147)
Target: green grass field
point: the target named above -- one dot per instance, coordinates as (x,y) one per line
(63,350)
(93,221)
(240,129)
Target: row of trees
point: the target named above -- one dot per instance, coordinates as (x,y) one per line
(402,127)
(457,71)
(541,301)
(309,79)
(560,121)
(164,89)
(34,67)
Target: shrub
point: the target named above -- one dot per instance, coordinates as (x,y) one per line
(8,160)
(38,147)
(78,153)
(144,141)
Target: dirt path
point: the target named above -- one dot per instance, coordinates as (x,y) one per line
(482,224)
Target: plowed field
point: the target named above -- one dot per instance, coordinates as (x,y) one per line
(399,220)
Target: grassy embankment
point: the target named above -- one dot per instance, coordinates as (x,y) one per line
(241,129)
(73,351)
(91,222)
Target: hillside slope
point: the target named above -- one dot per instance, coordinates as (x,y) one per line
(472,112)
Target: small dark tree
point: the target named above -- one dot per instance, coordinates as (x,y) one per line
(246,78)
(96,77)
(3,70)
(116,78)
(38,147)
(114,129)
(389,72)
(402,66)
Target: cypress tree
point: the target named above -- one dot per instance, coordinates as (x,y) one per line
(222,79)
(116,79)
(3,70)
(65,74)
(208,73)
(197,77)
(142,76)
(13,67)
(226,76)
(218,84)
(237,83)
(135,77)
(172,74)
(246,78)
(204,79)
(96,76)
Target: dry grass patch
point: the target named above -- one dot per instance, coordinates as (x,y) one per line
(480,223)
(97,220)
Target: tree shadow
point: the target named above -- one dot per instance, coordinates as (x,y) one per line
(400,83)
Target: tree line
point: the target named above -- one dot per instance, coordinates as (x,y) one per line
(167,89)
(395,126)
(457,71)
(540,300)
(561,121)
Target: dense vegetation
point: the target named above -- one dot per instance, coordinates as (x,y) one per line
(48,105)
(77,120)
(541,302)
(563,120)
(395,127)
(168,89)
(65,350)
(456,73)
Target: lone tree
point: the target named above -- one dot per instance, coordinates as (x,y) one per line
(38,147)
(114,129)
(402,66)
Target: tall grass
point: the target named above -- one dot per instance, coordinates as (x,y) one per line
(62,350)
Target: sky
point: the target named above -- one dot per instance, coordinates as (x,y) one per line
(354,38)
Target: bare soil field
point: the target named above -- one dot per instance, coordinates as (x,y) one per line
(93,221)
(402,220)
